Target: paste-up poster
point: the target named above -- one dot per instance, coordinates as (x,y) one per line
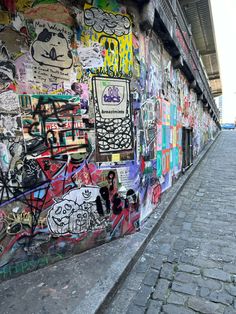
(50,58)
(167,182)
(165,112)
(10,122)
(150,115)
(54,124)
(113,120)
(90,57)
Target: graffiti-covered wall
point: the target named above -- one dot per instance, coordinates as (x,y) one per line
(91,117)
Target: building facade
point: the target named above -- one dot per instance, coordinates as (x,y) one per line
(98,118)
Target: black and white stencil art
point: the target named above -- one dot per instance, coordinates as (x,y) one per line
(112,115)
(77,212)
(51,46)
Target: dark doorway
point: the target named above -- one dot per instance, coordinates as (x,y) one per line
(187,145)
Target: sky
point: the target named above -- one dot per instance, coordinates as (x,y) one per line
(224,18)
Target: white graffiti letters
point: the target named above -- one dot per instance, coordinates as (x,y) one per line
(111,24)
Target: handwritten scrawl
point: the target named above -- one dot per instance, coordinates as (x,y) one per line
(108,23)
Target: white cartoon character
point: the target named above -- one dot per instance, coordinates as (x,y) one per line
(52,49)
(76,213)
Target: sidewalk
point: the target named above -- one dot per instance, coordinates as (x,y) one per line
(189,266)
(84,283)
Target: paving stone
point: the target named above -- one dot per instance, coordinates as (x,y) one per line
(164,249)
(222,257)
(204,262)
(186,277)
(229,310)
(174,256)
(161,290)
(189,269)
(177,298)
(221,297)
(188,288)
(185,258)
(179,245)
(150,278)
(157,263)
(176,309)
(217,274)
(133,281)
(212,284)
(167,271)
(142,295)
(230,268)
(134,309)
(154,307)
(204,306)
(231,289)
(204,292)
(187,226)
(142,266)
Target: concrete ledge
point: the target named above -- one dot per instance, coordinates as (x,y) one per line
(87,282)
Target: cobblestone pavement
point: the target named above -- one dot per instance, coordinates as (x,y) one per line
(190,264)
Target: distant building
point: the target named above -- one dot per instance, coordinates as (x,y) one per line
(219,103)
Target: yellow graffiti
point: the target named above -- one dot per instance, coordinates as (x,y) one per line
(13,223)
(117,50)
(5,18)
(23,5)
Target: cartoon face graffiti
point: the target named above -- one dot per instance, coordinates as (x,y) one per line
(52,49)
(60,215)
(76,213)
(82,220)
(111,48)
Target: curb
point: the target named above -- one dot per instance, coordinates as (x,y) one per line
(154,221)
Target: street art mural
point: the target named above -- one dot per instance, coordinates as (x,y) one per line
(91,117)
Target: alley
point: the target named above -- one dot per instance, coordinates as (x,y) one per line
(190,264)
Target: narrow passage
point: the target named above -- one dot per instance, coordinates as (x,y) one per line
(190,264)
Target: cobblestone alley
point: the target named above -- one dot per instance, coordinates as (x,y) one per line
(190,264)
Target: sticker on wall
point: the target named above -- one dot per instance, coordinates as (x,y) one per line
(113,118)
(90,57)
